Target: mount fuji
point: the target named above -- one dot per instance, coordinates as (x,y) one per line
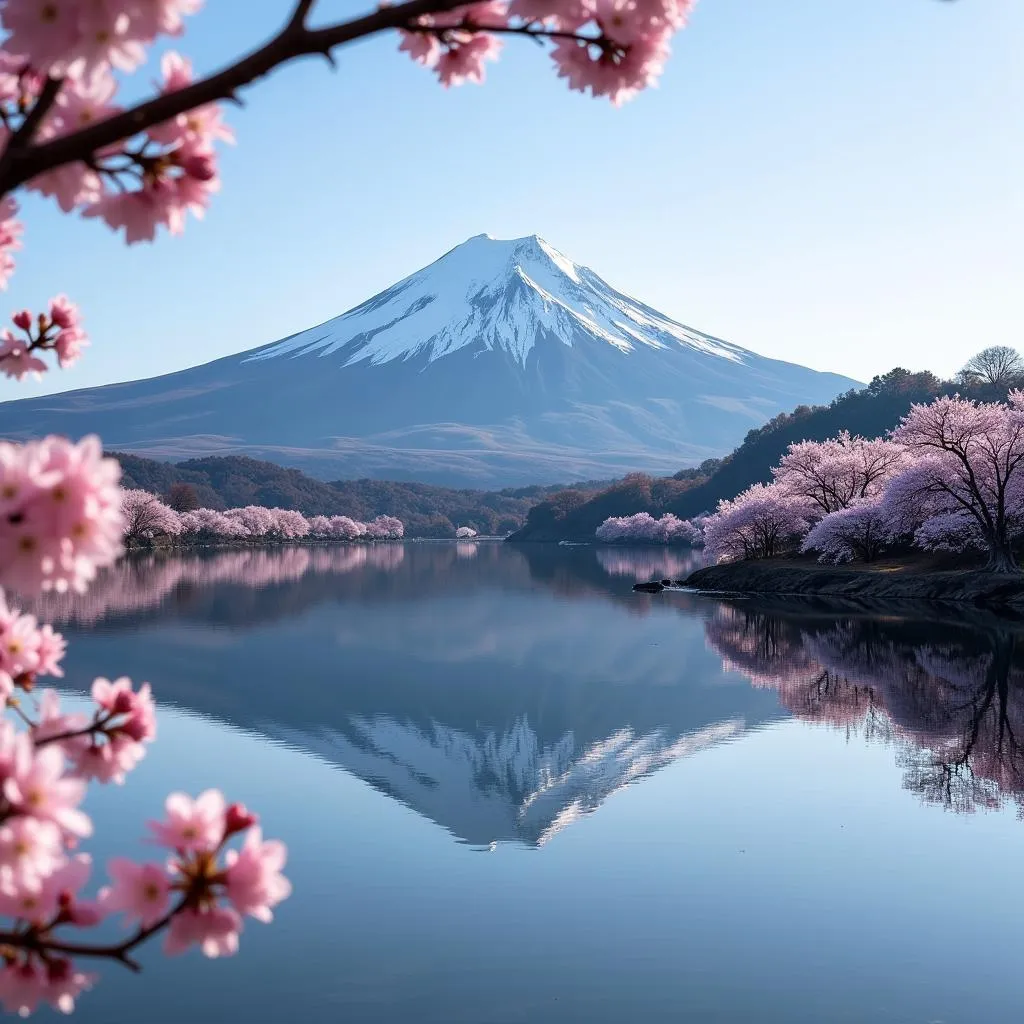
(501,363)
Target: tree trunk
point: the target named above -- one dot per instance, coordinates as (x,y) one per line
(1000,559)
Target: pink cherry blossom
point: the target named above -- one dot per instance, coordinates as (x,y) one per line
(81,102)
(17,359)
(63,513)
(464,62)
(141,892)
(606,69)
(200,127)
(45,34)
(22,987)
(564,15)
(134,713)
(254,882)
(26,649)
(64,984)
(108,762)
(192,825)
(214,929)
(30,851)
(58,889)
(39,787)
(152,18)
(10,238)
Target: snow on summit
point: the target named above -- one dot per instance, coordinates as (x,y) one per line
(494,294)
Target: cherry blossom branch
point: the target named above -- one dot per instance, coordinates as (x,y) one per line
(42,944)
(99,725)
(23,161)
(27,129)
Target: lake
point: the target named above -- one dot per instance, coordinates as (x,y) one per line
(515,791)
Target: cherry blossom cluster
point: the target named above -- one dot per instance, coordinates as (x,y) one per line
(199,896)
(762,522)
(643,528)
(205,889)
(612,48)
(950,476)
(27,650)
(61,510)
(151,178)
(859,532)
(58,330)
(465,533)
(836,473)
(146,517)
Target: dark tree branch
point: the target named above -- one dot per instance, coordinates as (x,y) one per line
(22,161)
(22,138)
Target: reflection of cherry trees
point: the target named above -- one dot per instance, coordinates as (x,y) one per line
(145,582)
(954,709)
(649,563)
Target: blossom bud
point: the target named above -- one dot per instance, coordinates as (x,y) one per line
(123,704)
(22,319)
(199,166)
(237,819)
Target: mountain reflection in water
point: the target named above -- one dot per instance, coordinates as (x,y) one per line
(505,692)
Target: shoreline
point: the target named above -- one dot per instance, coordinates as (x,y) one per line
(884,582)
(259,544)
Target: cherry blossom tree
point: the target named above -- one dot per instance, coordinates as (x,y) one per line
(966,484)
(319,526)
(385,528)
(762,522)
(209,524)
(347,529)
(643,528)
(146,516)
(465,532)
(858,532)
(836,473)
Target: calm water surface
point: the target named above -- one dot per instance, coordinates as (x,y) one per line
(514,791)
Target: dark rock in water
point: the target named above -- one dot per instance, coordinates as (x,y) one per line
(654,587)
(666,583)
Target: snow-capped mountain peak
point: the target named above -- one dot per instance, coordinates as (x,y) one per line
(497,294)
(502,363)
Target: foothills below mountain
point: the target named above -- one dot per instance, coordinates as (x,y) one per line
(502,363)
(537,512)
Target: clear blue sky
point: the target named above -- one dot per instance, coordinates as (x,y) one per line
(835,182)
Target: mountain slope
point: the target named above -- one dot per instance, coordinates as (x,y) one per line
(503,362)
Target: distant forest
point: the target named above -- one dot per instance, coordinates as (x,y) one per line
(425,510)
(576,512)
